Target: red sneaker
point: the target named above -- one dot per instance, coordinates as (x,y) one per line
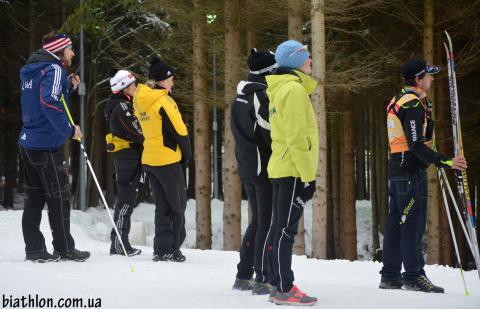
(294,297)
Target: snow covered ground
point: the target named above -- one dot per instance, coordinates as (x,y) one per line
(143,223)
(205,280)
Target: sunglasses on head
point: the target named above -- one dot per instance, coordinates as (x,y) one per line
(303,48)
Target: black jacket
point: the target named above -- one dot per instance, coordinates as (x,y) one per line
(121,118)
(250,128)
(413,117)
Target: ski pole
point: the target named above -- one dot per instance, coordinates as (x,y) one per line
(95,179)
(457,209)
(442,176)
(452,230)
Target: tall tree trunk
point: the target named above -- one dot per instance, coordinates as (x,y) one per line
(382,165)
(232,187)
(10,148)
(31,25)
(379,165)
(319,211)
(295,22)
(220,132)
(60,13)
(96,157)
(12,122)
(376,214)
(433,238)
(250,25)
(347,187)
(330,205)
(11,162)
(368,147)
(360,154)
(203,187)
(334,165)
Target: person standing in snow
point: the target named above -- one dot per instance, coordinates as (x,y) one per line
(294,161)
(166,149)
(46,128)
(125,143)
(251,130)
(410,129)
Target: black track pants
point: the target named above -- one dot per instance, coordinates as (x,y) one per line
(255,252)
(405,226)
(46,181)
(288,203)
(127,176)
(170,196)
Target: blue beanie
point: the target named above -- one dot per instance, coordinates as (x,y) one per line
(291,54)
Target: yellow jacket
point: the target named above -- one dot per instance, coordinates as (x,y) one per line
(162,126)
(293,126)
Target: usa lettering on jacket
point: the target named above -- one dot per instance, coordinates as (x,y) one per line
(27,84)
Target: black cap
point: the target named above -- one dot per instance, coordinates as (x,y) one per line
(416,67)
(261,62)
(158,70)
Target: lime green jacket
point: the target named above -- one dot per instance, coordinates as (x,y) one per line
(293,127)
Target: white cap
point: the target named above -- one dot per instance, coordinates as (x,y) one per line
(121,80)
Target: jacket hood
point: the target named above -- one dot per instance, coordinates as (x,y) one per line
(41,55)
(284,75)
(37,60)
(114,100)
(248,87)
(145,97)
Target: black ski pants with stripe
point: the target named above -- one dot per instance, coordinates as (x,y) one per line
(170,197)
(405,226)
(288,203)
(46,181)
(255,252)
(127,180)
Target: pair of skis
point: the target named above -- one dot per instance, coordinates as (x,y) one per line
(468,221)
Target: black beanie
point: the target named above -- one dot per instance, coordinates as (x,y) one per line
(415,67)
(261,62)
(158,70)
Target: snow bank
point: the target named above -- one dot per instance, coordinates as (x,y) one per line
(205,280)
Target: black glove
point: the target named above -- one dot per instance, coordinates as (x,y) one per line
(309,190)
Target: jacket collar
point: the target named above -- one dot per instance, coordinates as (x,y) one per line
(305,80)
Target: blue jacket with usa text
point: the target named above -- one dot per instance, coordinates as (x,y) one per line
(45,123)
